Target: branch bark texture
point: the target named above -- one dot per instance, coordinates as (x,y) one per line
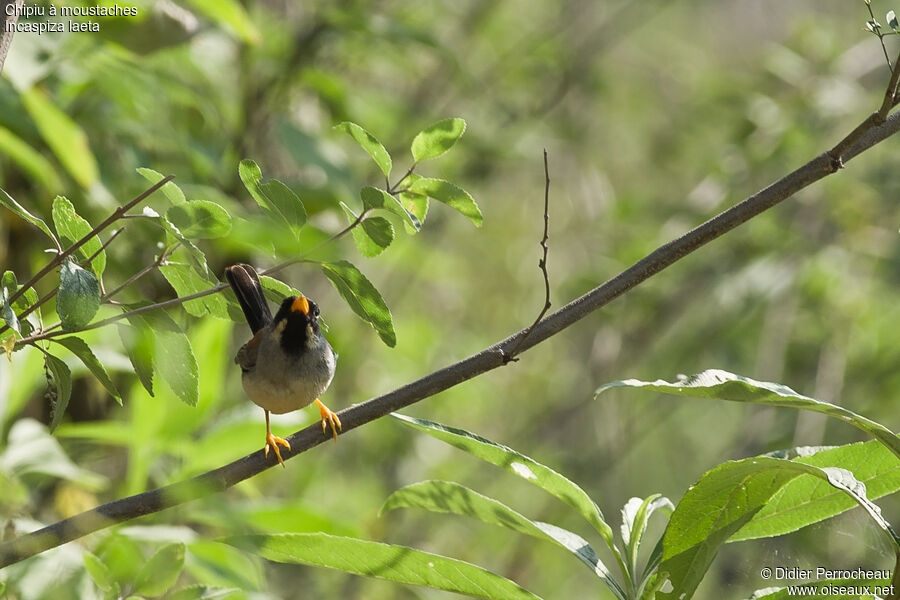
(488,359)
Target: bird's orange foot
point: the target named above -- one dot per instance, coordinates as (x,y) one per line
(273,441)
(329,417)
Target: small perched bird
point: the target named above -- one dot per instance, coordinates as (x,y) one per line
(288,363)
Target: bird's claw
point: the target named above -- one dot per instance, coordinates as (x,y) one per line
(329,417)
(273,441)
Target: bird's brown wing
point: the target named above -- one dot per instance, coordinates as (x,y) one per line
(245,283)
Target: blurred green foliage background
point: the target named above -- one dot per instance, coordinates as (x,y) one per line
(656,115)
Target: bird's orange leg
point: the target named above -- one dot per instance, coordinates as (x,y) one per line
(329,417)
(273,441)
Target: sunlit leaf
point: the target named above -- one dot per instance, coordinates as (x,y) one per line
(369,143)
(230,14)
(372,235)
(200,219)
(377,198)
(362,297)
(99,572)
(79,348)
(450,194)
(138,346)
(450,497)
(170,189)
(30,161)
(187,281)
(64,137)
(373,559)
(173,357)
(436,139)
(78,298)
(7,201)
(275,198)
(722,385)
(71,227)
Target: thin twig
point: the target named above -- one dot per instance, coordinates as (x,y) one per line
(59,258)
(876,29)
(542,263)
(392,189)
(217,480)
(159,260)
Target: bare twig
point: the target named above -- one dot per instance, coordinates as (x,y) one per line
(59,258)
(392,189)
(542,263)
(214,481)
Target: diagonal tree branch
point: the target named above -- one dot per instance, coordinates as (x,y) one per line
(8,22)
(488,359)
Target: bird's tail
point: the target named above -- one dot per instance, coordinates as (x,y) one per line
(245,283)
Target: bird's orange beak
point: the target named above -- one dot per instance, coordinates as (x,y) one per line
(300,304)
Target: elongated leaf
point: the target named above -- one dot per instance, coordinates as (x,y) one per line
(8,286)
(62,385)
(450,194)
(635,515)
(99,572)
(139,348)
(29,160)
(384,561)
(79,348)
(362,297)
(231,15)
(725,499)
(436,139)
(161,571)
(7,201)
(804,500)
(71,227)
(377,198)
(170,189)
(278,290)
(31,450)
(722,385)
(186,281)
(78,298)
(64,137)
(369,143)
(532,471)
(173,357)
(417,205)
(372,235)
(450,497)
(275,198)
(200,219)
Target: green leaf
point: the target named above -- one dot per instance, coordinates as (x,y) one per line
(202,592)
(372,235)
(369,143)
(7,201)
(532,471)
(31,450)
(278,290)
(804,500)
(173,357)
(29,160)
(198,258)
(373,198)
(275,198)
(450,497)
(64,137)
(362,298)
(138,346)
(79,348)
(71,227)
(161,571)
(170,189)
(722,385)
(417,205)
(452,195)
(725,499)
(635,515)
(383,561)
(186,281)
(231,16)
(8,286)
(62,384)
(200,219)
(436,139)
(78,298)
(99,572)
